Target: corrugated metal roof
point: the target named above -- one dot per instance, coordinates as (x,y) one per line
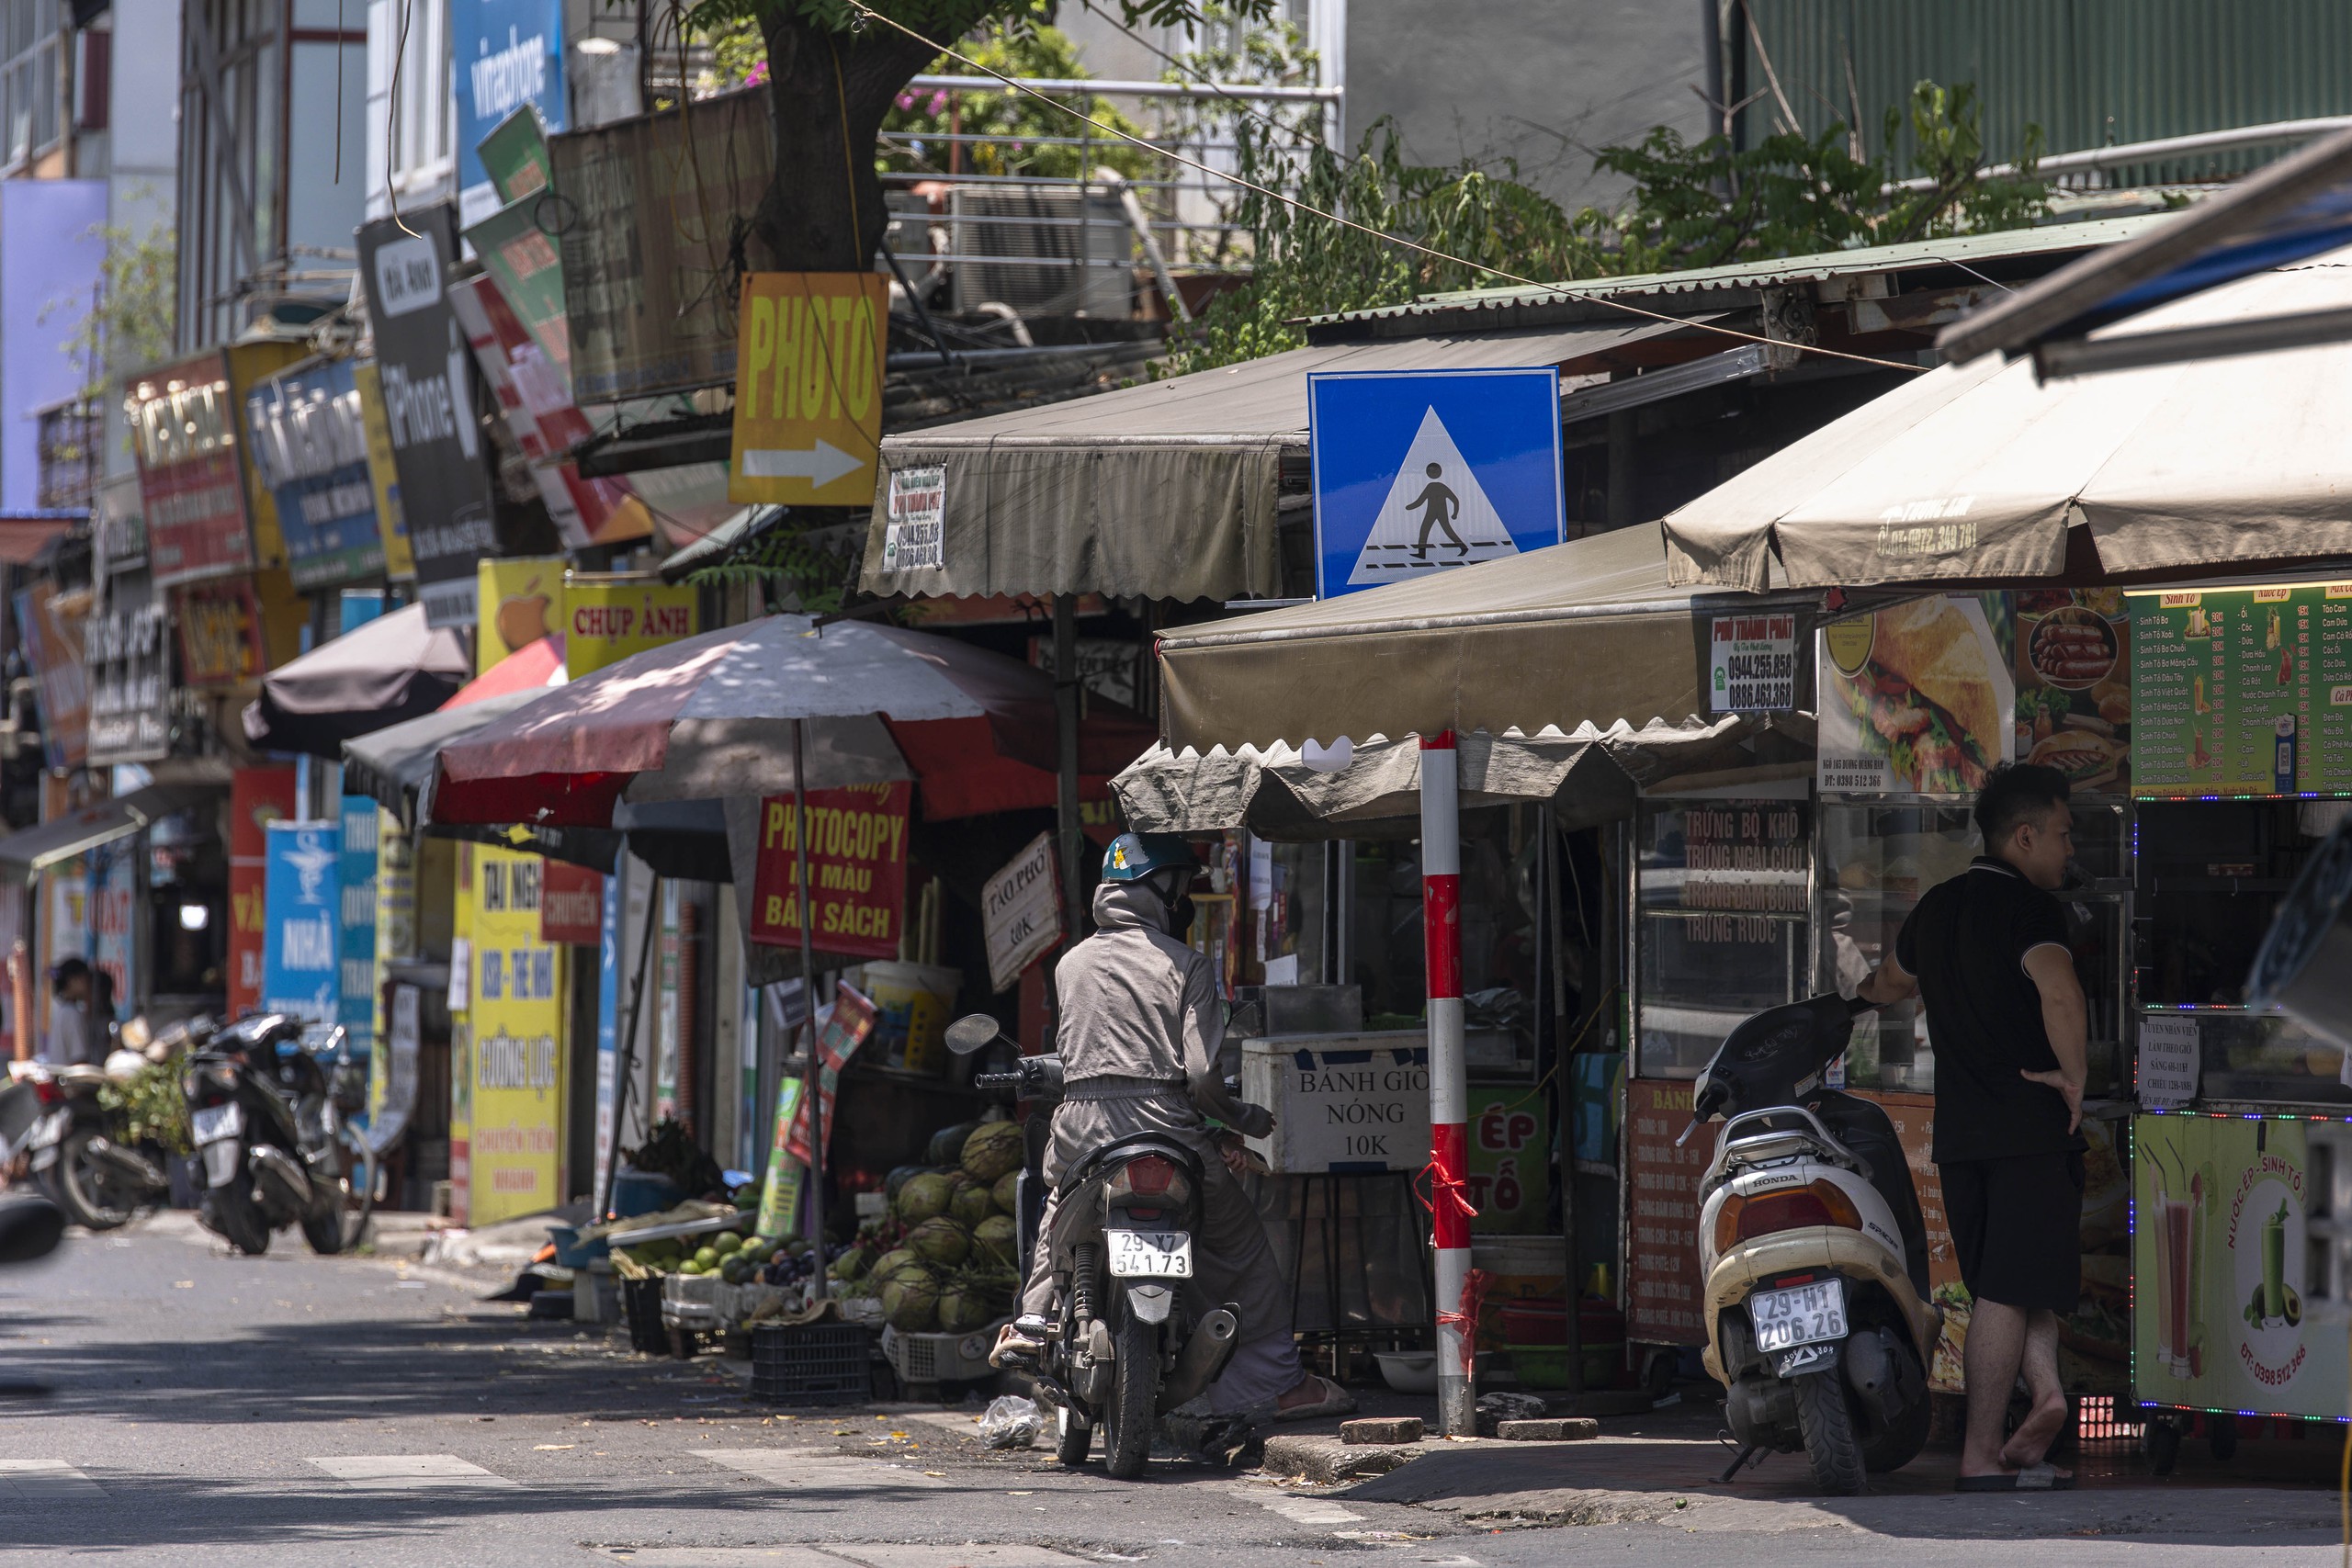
(1780,272)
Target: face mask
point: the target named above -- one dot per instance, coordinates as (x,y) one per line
(1180,917)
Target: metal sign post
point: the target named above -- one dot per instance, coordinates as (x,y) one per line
(1449,1210)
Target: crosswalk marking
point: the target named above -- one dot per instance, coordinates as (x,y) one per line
(45,1481)
(969,1556)
(402,1472)
(841,1555)
(818,1469)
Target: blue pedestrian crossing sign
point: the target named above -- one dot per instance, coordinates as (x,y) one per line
(1420,471)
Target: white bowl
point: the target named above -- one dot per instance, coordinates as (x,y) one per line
(1408,1371)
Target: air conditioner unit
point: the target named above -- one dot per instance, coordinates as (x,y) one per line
(1072,233)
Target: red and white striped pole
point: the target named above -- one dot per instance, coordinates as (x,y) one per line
(1450,1209)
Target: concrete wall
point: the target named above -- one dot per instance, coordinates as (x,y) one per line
(1546,82)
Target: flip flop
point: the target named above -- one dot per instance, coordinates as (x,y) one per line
(1336,1401)
(2033,1478)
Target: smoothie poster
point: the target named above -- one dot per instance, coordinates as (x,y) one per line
(2226,1316)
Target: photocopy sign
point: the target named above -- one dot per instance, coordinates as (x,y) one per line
(1752,663)
(857,870)
(1023,914)
(425,366)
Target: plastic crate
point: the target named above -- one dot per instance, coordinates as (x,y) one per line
(811,1363)
(942,1358)
(641,1310)
(692,1301)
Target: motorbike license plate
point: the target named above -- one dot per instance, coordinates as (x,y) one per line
(215,1123)
(1802,1315)
(1151,1255)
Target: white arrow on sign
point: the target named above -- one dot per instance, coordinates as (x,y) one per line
(820,465)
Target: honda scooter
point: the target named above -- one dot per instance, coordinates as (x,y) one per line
(1123,1346)
(270,1107)
(1813,1253)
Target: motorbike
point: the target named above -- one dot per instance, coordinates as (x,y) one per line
(269,1105)
(1814,1254)
(81,1150)
(1123,1344)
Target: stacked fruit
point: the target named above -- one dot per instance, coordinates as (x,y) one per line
(945,1258)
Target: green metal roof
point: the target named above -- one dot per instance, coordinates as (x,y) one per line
(1966,249)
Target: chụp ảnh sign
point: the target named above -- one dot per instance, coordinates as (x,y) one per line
(857,871)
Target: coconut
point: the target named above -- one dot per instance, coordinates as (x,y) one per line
(850,1265)
(945,1143)
(993,1148)
(924,1197)
(940,1241)
(962,1309)
(971,1205)
(910,1302)
(997,1237)
(892,1264)
(1006,1193)
(900,1176)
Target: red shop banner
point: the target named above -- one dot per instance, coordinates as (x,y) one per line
(857,871)
(257,796)
(183,424)
(572,904)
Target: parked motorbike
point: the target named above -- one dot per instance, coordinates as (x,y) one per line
(79,1149)
(269,1108)
(1123,1346)
(1814,1255)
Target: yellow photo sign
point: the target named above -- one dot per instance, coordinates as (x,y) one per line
(808,361)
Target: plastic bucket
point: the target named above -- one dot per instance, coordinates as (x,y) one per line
(912,1003)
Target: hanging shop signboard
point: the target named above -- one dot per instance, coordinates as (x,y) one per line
(302,960)
(522,265)
(257,798)
(1917,700)
(1752,662)
(522,601)
(124,650)
(509,57)
(2227,1313)
(2242,691)
(608,618)
(51,627)
(221,633)
(650,207)
(426,372)
(309,447)
(517,1015)
(841,1030)
(1020,917)
(383,473)
(571,905)
(356,920)
(857,871)
(204,516)
(808,388)
(515,154)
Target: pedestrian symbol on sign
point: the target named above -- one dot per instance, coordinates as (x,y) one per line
(1419,472)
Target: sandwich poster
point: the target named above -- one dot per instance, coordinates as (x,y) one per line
(1917,699)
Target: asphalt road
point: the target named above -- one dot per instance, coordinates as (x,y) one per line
(210,1409)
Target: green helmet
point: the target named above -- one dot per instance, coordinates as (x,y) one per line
(1133,856)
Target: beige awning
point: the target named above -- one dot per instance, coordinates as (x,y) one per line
(1587,633)
(1372,789)
(1165,490)
(1974,472)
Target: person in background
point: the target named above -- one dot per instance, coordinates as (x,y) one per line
(71,1020)
(1986,953)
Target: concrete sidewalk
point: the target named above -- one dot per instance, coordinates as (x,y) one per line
(1663,1468)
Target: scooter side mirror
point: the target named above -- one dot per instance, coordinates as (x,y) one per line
(972,1033)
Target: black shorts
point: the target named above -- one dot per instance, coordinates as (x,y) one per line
(2017,1228)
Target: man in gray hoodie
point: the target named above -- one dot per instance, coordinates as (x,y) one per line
(1140,1028)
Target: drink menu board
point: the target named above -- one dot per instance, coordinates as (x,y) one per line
(2242,690)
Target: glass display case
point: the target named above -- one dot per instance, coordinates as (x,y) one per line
(1721,905)
(2211,876)
(1877,858)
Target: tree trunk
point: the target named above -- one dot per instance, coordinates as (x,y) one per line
(823,210)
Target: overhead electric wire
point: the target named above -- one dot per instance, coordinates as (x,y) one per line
(1561,290)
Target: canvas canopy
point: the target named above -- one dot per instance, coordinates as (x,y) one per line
(1165,490)
(1976,473)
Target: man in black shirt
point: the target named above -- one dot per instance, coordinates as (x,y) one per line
(1986,953)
